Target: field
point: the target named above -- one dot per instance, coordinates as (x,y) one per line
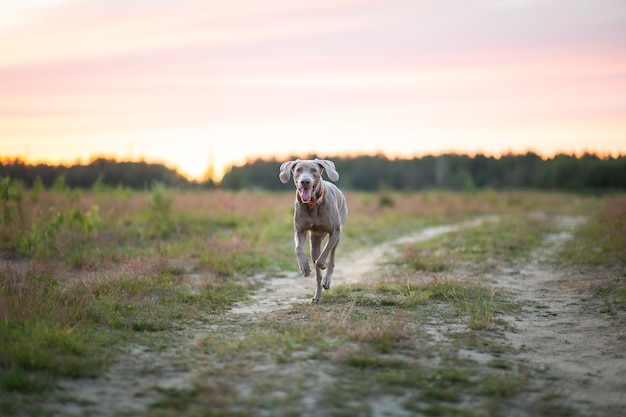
(172,303)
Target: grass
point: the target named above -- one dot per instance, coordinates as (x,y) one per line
(475,304)
(602,240)
(600,244)
(90,273)
(480,249)
(377,344)
(52,328)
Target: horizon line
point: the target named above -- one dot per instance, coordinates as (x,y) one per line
(4,159)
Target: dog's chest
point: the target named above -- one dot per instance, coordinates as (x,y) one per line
(316,222)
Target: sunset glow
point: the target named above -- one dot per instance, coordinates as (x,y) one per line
(196,83)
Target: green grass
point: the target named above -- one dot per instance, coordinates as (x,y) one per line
(476,304)
(105,269)
(600,244)
(613,296)
(51,329)
(16,380)
(40,346)
(477,249)
(376,343)
(601,240)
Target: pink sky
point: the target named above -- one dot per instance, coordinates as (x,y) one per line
(193,83)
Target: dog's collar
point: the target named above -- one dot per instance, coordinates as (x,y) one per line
(314,203)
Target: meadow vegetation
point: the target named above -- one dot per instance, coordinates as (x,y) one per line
(85,273)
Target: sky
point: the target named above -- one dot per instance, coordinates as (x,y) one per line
(209,84)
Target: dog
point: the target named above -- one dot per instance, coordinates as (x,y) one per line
(321,208)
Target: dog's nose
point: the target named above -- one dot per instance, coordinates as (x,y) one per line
(305,182)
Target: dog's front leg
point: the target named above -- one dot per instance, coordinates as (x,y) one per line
(303,261)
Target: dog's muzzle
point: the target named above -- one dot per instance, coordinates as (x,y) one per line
(305,189)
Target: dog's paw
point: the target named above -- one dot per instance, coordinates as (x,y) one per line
(305,269)
(326,283)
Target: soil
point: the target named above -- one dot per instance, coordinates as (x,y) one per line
(558,329)
(579,345)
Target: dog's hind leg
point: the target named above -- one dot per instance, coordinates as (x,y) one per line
(330,269)
(333,239)
(316,249)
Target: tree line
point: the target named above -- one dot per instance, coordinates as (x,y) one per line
(588,172)
(100,171)
(453,171)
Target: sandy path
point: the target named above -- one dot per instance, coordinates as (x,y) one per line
(281,293)
(580,348)
(129,384)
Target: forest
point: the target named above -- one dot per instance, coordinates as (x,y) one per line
(588,172)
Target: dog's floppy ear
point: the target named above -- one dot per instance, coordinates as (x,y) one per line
(329,166)
(285,170)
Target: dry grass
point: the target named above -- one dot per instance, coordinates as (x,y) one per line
(84,273)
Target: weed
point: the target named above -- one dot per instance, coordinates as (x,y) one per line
(613,295)
(476,304)
(385,199)
(382,337)
(18,380)
(444,410)
(602,239)
(161,220)
(480,249)
(39,346)
(548,405)
(475,341)
(228,257)
(422,261)
(49,327)
(343,293)
(158,303)
(501,385)
(500,364)
(11,212)
(101,268)
(59,184)
(36,189)
(369,362)
(175,400)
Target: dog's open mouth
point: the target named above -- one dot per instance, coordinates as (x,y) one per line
(305,194)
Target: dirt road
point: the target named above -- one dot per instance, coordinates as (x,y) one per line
(576,345)
(579,346)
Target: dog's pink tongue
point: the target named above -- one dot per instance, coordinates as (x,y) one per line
(305,195)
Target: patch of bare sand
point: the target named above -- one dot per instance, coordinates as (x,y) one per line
(581,349)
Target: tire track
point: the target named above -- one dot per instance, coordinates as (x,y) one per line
(581,350)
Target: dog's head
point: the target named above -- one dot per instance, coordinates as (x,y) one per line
(307,175)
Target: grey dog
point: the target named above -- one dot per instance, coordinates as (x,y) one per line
(320,208)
